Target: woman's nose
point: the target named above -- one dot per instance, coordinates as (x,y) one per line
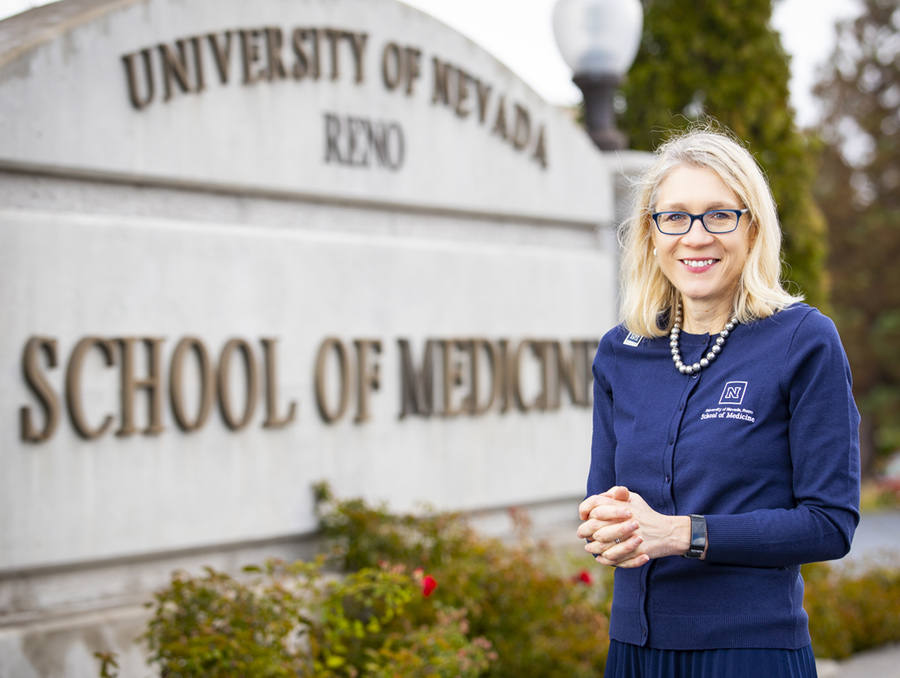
(697,233)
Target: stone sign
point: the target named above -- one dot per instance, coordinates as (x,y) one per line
(246,247)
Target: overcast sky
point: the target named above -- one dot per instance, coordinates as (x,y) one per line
(520,34)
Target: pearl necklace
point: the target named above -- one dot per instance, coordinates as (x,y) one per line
(710,357)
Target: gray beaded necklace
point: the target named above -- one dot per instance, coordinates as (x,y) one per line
(710,357)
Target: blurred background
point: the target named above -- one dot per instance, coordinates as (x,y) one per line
(824,121)
(814,88)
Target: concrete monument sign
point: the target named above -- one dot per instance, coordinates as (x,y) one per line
(245,247)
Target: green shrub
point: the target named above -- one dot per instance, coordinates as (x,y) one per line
(544,624)
(485,608)
(851,608)
(290,620)
(541,623)
(218,626)
(878,496)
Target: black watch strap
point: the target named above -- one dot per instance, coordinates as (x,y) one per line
(698,537)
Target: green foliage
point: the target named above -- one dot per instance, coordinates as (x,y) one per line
(859,191)
(497,610)
(877,496)
(851,610)
(540,623)
(291,620)
(108,664)
(537,621)
(441,649)
(703,59)
(217,626)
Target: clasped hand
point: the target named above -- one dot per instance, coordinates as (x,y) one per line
(623,531)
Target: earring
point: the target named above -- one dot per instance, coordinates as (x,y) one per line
(654,251)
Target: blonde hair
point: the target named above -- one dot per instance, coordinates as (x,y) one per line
(647,295)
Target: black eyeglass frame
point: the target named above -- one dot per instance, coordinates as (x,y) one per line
(701,217)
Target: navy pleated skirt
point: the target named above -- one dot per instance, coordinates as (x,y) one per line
(631,661)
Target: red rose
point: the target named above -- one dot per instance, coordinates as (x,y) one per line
(584,577)
(429,584)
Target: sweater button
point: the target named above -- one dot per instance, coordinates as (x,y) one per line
(672,440)
(668,479)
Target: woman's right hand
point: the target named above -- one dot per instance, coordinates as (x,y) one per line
(607,518)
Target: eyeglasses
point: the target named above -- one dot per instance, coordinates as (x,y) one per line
(714,221)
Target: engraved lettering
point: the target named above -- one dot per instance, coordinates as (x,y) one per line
(37,382)
(332,137)
(333,37)
(270,358)
(356,141)
(358,43)
(250,55)
(336,346)
(451,375)
(441,92)
(137,100)
(151,384)
(500,121)
(367,376)
(416,385)
(176,384)
(391,66)
(251,392)
(221,54)
(174,67)
(73,385)
(540,149)
(462,93)
(483,90)
(413,68)
(522,131)
(274,42)
(198,65)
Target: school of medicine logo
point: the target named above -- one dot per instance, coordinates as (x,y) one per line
(733,393)
(632,339)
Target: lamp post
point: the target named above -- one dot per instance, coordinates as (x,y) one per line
(599,39)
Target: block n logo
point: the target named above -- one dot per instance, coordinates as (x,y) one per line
(733,393)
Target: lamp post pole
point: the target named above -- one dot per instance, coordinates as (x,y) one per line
(600,119)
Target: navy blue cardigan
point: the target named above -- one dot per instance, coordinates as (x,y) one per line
(764,443)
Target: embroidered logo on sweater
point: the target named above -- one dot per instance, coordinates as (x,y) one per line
(632,339)
(732,397)
(733,393)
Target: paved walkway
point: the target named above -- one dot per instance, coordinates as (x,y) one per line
(883,662)
(878,536)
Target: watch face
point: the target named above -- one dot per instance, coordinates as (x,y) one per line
(698,537)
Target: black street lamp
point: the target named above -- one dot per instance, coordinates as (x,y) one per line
(599,39)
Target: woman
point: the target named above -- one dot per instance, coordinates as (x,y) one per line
(723,405)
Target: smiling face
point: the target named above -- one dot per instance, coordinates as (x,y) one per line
(704,267)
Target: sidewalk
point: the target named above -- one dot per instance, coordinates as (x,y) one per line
(883,662)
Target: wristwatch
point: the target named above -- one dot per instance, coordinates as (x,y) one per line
(698,537)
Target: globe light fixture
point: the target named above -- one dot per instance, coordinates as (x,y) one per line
(599,39)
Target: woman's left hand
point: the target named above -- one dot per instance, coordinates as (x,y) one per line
(652,534)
